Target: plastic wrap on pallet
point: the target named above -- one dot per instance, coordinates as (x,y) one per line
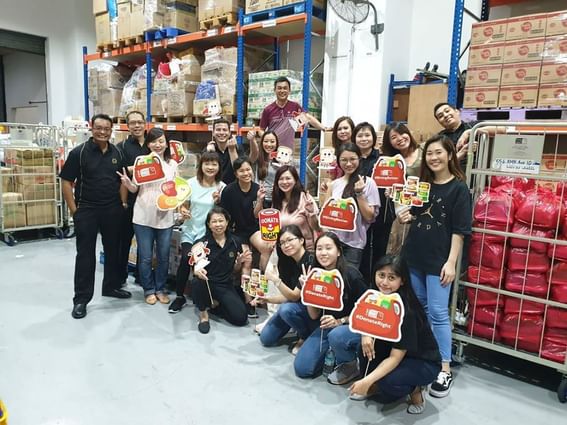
(131,89)
(535,284)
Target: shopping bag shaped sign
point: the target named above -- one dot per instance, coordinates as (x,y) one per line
(176,151)
(389,170)
(378,315)
(339,214)
(323,289)
(147,169)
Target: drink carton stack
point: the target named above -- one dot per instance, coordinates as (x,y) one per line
(518,62)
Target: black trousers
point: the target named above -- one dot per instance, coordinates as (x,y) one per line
(126,235)
(183,269)
(231,305)
(88,223)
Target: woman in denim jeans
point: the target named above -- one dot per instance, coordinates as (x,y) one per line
(291,314)
(333,325)
(151,225)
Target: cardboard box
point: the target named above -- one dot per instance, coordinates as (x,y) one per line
(28,157)
(321,4)
(124,11)
(481,97)
(556,23)
(110,99)
(484,76)
(7,180)
(102,28)
(486,54)
(552,95)
(518,96)
(186,21)
(524,50)
(99,6)
(259,5)
(489,32)
(555,47)
(14,210)
(179,103)
(528,26)
(515,74)
(554,71)
(37,192)
(210,8)
(33,174)
(137,5)
(40,213)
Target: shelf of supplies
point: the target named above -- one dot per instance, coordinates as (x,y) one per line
(514,114)
(122,53)
(171,127)
(285,26)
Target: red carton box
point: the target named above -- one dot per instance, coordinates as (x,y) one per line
(524,50)
(484,76)
(554,71)
(487,54)
(514,74)
(556,23)
(555,47)
(528,26)
(481,97)
(518,96)
(488,32)
(552,95)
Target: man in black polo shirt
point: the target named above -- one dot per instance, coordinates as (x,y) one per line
(131,148)
(455,129)
(226,147)
(96,206)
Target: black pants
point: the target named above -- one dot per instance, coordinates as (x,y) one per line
(88,223)
(231,305)
(126,235)
(183,269)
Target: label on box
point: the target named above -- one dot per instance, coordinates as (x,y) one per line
(520,73)
(552,95)
(556,23)
(212,33)
(488,32)
(481,97)
(524,50)
(522,166)
(486,54)
(227,30)
(484,76)
(555,47)
(554,71)
(518,96)
(269,23)
(528,26)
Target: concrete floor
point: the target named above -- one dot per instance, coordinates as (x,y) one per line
(130,363)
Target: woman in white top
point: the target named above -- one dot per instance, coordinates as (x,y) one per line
(151,225)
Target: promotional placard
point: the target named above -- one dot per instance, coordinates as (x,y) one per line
(269,220)
(323,289)
(283,156)
(389,170)
(326,159)
(378,315)
(412,194)
(517,153)
(199,256)
(256,285)
(339,214)
(147,169)
(176,151)
(173,194)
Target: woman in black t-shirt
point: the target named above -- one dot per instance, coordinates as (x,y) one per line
(406,367)
(291,314)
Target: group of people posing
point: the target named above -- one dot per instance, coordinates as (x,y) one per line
(412,253)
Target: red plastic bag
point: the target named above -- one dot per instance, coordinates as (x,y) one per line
(487,315)
(488,237)
(559,293)
(559,282)
(541,207)
(485,253)
(553,351)
(520,228)
(482,330)
(485,276)
(480,298)
(519,183)
(495,207)
(536,262)
(516,306)
(529,328)
(559,252)
(556,318)
(535,284)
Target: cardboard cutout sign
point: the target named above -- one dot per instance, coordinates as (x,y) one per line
(269,220)
(389,170)
(199,256)
(174,193)
(213,110)
(378,315)
(323,289)
(298,121)
(339,214)
(283,156)
(176,151)
(256,285)
(147,169)
(412,194)
(326,159)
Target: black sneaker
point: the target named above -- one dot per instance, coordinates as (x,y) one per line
(442,385)
(251,311)
(177,304)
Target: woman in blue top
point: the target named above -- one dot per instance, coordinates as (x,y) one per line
(205,192)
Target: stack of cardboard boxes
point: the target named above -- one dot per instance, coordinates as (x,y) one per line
(31,177)
(518,62)
(259,5)
(105,86)
(218,8)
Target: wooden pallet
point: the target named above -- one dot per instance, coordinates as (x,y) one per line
(105,47)
(129,41)
(184,119)
(226,19)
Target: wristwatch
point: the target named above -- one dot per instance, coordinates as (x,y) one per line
(343,320)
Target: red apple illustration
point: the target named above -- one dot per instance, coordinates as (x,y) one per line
(168,188)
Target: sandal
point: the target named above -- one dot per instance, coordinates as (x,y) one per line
(417,408)
(151,299)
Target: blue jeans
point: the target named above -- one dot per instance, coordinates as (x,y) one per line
(311,356)
(145,237)
(291,315)
(435,301)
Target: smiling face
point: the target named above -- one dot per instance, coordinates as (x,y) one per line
(269,143)
(387,281)
(400,142)
(290,244)
(327,252)
(101,130)
(210,168)
(348,162)
(448,117)
(244,173)
(437,158)
(136,125)
(364,139)
(221,133)
(286,182)
(344,131)
(218,224)
(158,146)
(282,91)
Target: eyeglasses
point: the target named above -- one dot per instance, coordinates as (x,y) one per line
(287,241)
(347,160)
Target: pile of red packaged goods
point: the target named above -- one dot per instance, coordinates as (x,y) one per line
(517,206)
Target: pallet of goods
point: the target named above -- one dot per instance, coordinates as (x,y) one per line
(261,10)
(218,13)
(519,62)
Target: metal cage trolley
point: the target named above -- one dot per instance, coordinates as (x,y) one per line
(30,189)
(512,298)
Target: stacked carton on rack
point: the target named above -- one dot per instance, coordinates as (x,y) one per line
(218,8)
(259,5)
(512,61)
(105,86)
